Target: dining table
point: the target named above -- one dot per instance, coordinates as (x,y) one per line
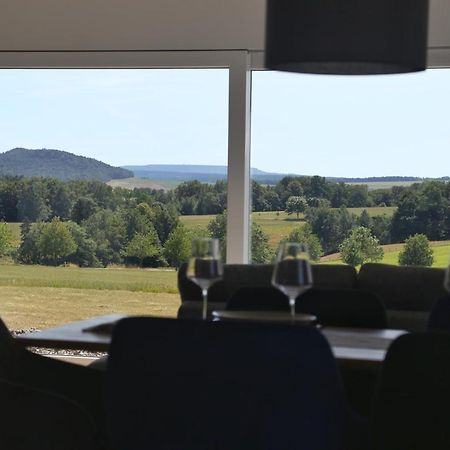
(355,347)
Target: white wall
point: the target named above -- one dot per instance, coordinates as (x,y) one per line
(151,24)
(131,24)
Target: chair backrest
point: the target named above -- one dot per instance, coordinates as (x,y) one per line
(332,307)
(407,292)
(80,384)
(197,385)
(439,319)
(412,408)
(33,418)
(237,276)
(344,308)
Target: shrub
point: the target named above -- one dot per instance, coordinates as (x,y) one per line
(417,252)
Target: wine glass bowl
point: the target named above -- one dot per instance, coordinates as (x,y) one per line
(205,266)
(292,273)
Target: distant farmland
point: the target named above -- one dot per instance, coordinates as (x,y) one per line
(277,225)
(373,185)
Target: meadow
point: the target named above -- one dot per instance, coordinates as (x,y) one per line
(278,225)
(441,251)
(41,296)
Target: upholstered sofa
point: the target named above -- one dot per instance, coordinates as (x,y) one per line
(408,293)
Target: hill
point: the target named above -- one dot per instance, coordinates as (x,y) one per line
(203,173)
(57,164)
(177,173)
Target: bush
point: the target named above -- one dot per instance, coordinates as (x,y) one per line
(417,252)
(360,247)
(304,235)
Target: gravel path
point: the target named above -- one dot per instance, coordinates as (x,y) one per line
(58,352)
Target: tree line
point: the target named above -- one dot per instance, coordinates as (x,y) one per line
(90,224)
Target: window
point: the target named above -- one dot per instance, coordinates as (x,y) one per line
(86,237)
(372,152)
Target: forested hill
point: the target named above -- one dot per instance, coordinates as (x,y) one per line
(57,164)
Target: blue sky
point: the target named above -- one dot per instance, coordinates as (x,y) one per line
(332,126)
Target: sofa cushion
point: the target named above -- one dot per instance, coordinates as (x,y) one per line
(237,276)
(403,288)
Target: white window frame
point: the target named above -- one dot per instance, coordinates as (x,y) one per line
(240,64)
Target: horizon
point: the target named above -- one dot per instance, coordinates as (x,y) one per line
(225,167)
(130,117)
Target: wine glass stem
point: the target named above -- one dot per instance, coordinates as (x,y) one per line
(205,303)
(292,306)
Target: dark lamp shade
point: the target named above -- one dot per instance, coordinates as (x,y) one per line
(347,37)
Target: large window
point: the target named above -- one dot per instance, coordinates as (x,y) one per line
(105,176)
(335,153)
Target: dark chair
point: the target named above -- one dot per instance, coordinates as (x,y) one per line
(37,419)
(412,409)
(332,307)
(238,276)
(180,384)
(80,384)
(439,319)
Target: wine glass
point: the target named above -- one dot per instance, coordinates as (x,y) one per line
(205,267)
(292,273)
(447,279)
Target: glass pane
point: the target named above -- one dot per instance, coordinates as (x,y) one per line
(97,198)
(332,154)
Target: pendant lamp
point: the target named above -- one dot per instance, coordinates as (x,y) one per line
(347,37)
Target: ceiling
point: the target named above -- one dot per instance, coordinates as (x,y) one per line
(152,25)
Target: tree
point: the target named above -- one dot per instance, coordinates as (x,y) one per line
(55,242)
(5,238)
(360,247)
(108,230)
(416,252)
(84,256)
(381,228)
(260,249)
(325,225)
(28,252)
(32,203)
(59,199)
(261,252)
(296,205)
(364,220)
(217,228)
(305,235)
(178,247)
(146,249)
(166,219)
(83,208)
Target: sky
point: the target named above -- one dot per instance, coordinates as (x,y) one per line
(347,126)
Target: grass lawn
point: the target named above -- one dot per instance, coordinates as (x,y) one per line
(144,280)
(279,224)
(43,307)
(441,251)
(41,296)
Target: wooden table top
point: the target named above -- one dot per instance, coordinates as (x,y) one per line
(349,345)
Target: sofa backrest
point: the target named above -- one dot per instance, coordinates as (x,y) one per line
(237,276)
(408,293)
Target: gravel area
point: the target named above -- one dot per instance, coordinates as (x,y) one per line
(58,352)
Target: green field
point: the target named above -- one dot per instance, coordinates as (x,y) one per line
(136,182)
(279,224)
(372,185)
(123,279)
(40,296)
(441,251)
